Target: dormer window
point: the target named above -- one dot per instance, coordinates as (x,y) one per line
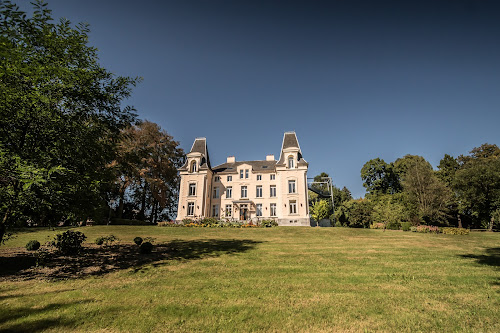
(193,166)
(290,162)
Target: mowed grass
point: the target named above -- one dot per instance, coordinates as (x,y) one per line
(294,279)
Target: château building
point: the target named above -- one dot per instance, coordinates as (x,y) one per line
(246,190)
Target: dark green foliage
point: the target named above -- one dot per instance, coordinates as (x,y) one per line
(138,240)
(268,223)
(146,247)
(405,226)
(393,225)
(33,245)
(60,117)
(69,242)
(380,177)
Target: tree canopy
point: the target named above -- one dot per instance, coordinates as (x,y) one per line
(61,113)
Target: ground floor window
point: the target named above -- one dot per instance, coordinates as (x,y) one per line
(215,210)
(229,210)
(258,209)
(190,208)
(293,207)
(273,209)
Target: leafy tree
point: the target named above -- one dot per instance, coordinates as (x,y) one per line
(425,191)
(148,158)
(320,210)
(357,213)
(389,210)
(477,183)
(379,177)
(447,169)
(60,114)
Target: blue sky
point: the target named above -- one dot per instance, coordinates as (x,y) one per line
(355,79)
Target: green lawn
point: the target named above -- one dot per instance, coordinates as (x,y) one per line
(294,279)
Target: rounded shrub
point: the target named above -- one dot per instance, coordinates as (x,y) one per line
(99,241)
(138,240)
(69,242)
(33,245)
(146,247)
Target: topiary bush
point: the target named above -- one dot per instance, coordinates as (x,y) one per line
(138,240)
(33,245)
(69,242)
(146,248)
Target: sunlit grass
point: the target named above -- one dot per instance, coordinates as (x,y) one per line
(291,280)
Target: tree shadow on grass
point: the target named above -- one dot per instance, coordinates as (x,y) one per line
(10,315)
(490,258)
(96,260)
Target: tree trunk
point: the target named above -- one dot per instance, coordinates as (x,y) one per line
(492,221)
(143,202)
(3,225)
(459,221)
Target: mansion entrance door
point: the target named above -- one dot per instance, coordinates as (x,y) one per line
(243,212)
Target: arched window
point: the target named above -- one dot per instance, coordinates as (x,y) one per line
(193,166)
(290,162)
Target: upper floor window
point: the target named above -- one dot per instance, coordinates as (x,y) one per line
(216,193)
(273,177)
(241,174)
(258,192)
(272,191)
(229,178)
(229,192)
(290,162)
(244,192)
(291,186)
(217,179)
(259,177)
(246,173)
(193,166)
(192,189)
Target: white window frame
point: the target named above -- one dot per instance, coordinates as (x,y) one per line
(272,191)
(194,166)
(258,191)
(273,177)
(259,177)
(245,189)
(229,192)
(241,173)
(292,207)
(190,209)
(272,208)
(291,162)
(217,179)
(229,210)
(292,186)
(247,173)
(216,193)
(229,178)
(192,186)
(258,210)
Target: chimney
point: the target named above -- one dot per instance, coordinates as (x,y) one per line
(270,158)
(231,159)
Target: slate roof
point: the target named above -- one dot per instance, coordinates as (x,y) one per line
(199,146)
(290,141)
(257,166)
